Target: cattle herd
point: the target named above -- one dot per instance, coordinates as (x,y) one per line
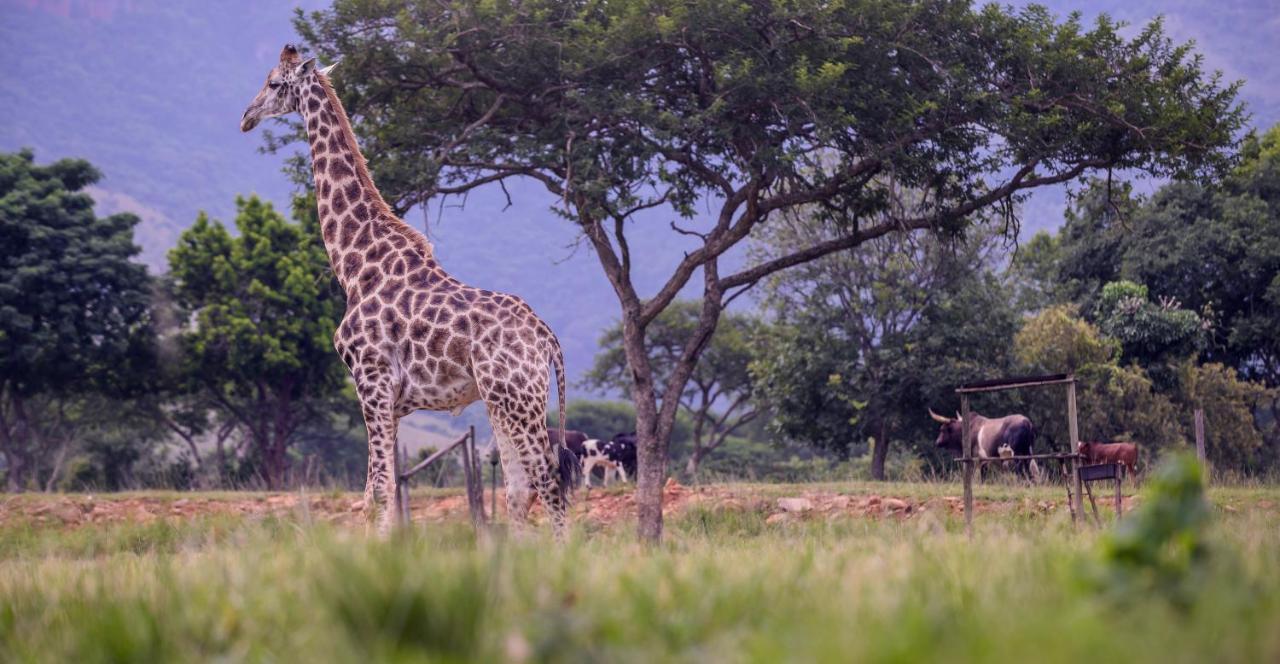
(615,456)
(993,440)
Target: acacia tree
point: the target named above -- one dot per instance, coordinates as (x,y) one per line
(718,396)
(756,108)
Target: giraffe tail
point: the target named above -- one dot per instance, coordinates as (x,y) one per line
(570,466)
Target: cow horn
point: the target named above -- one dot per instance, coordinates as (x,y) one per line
(938,417)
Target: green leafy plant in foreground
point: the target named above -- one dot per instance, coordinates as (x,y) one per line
(1162,545)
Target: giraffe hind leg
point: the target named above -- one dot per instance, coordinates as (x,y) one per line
(377,404)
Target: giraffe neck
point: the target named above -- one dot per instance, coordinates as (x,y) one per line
(360,230)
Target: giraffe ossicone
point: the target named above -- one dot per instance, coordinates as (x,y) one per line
(413,337)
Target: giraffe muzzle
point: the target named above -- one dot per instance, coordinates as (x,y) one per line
(249,121)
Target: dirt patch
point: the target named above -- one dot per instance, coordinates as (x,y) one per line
(597,507)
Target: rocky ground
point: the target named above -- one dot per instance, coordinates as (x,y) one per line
(598,508)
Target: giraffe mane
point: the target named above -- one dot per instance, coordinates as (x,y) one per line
(380,206)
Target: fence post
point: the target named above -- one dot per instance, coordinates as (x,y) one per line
(967,453)
(493,480)
(1201,454)
(402,485)
(473,467)
(1073,431)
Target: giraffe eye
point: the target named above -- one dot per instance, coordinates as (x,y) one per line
(275,85)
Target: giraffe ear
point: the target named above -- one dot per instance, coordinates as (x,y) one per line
(306,67)
(326,70)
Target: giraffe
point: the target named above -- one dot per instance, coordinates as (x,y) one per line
(413,337)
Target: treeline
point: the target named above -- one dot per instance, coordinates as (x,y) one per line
(1161,305)
(221,373)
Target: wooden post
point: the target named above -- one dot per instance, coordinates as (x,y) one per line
(1073,430)
(402,485)
(1097,521)
(1201,454)
(967,455)
(1119,496)
(493,480)
(474,469)
(468,474)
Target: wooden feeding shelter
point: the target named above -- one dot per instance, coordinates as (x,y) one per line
(1072,458)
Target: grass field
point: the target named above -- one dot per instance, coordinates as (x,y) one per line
(730,583)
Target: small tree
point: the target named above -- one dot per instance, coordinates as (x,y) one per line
(757,108)
(73,312)
(257,340)
(868,339)
(718,397)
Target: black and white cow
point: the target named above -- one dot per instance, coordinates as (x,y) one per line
(615,455)
(992,439)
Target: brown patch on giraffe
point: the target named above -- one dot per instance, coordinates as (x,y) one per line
(349,230)
(350,263)
(361,211)
(364,238)
(388,292)
(436,342)
(405,304)
(339,205)
(457,350)
(340,171)
(319,165)
(370,279)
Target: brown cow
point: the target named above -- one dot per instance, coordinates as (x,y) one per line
(1125,454)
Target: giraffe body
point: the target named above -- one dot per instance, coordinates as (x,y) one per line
(414,337)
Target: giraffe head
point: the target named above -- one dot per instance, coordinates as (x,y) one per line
(281,93)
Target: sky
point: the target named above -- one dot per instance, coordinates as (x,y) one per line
(151,91)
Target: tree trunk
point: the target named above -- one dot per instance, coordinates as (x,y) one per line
(17,447)
(691,468)
(880,452)
(651,446)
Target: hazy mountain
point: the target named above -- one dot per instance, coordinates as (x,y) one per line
(151,92)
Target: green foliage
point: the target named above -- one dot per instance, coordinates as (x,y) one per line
(869,339)
(1059,341)
(1112,402)
(718,397)
(651,93)
(728,585)
(260,310)
(1234,440)
(74,319)
(1162,546)
(1156,336)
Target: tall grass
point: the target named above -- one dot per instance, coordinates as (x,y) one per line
(725,586)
